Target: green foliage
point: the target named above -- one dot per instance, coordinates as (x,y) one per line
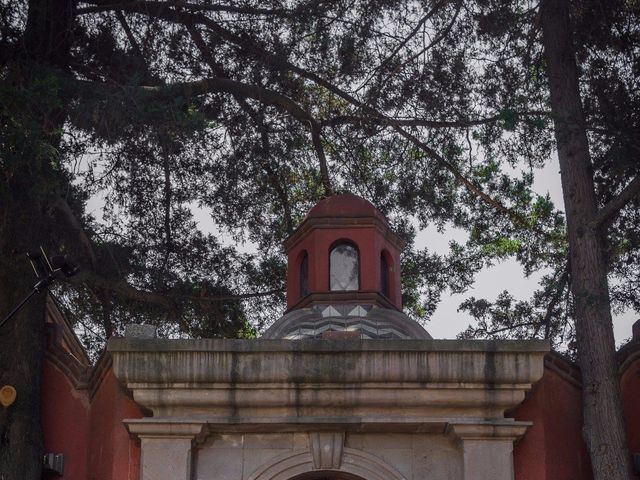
(185,177)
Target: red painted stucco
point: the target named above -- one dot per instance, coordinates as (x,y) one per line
(89,432)
(113,455)
(630,389)
(65,420)
(553,448)
(370,244)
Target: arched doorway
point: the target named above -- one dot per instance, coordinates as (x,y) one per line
(327,475)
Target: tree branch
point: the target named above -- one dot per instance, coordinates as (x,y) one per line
(107,7)
(62,206)
(324,171)
(125,290)
(413,32)
(129,34)
(504,329)
(607,213)
(560,286)
(310,121)
(282,63)
(164,300)
(201,87)
(422,122)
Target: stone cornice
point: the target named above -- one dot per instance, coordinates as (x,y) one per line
(284,381)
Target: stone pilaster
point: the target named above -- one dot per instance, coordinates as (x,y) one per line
(167,447)
(488,448)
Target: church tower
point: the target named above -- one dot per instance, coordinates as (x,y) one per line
(343,276)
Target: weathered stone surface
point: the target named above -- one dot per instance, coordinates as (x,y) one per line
(273,409)
(135,330)
(243,381)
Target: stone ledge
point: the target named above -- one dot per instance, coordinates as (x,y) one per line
(319,378)
(316,345)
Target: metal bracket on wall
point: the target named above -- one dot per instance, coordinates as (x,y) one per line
(54,463)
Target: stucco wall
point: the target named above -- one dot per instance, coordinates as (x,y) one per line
(65,420)
(237,456)
(630,387)
(113,455)
(553,448)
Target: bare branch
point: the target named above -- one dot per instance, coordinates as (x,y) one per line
(310,122)
(241,296)
(504,329)
(201,87)
(129,34)
(125,290)
(413,32)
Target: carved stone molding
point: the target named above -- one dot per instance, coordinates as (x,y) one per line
(354,462)
(168,429)
(326,449)
(505,430)
(167,447)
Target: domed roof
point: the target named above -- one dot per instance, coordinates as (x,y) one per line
(370,321)
(345,205)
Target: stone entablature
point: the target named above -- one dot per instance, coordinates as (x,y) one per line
(289,381)
(431,391)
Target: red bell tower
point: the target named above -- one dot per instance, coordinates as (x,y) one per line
(344,251)
(344,275)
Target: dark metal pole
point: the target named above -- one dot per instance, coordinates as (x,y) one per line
(37,288)
(20,305)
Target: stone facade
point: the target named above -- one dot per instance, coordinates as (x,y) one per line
(373,409)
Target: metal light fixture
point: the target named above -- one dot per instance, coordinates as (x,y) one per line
(46,272)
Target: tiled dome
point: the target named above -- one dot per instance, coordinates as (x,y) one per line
(371,321)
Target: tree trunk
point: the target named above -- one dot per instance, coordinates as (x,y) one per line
(21,341)
(27,187)
(603,428)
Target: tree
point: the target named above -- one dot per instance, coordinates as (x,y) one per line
(604,424)
(438,111)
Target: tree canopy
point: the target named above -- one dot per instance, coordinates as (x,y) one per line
(439,112)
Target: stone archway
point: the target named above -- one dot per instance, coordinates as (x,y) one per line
(299,465)
(327,475)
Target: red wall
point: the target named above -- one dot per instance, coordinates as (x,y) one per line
(113,455)
(92,437)
(630,387)
(553,448)
(65,420)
